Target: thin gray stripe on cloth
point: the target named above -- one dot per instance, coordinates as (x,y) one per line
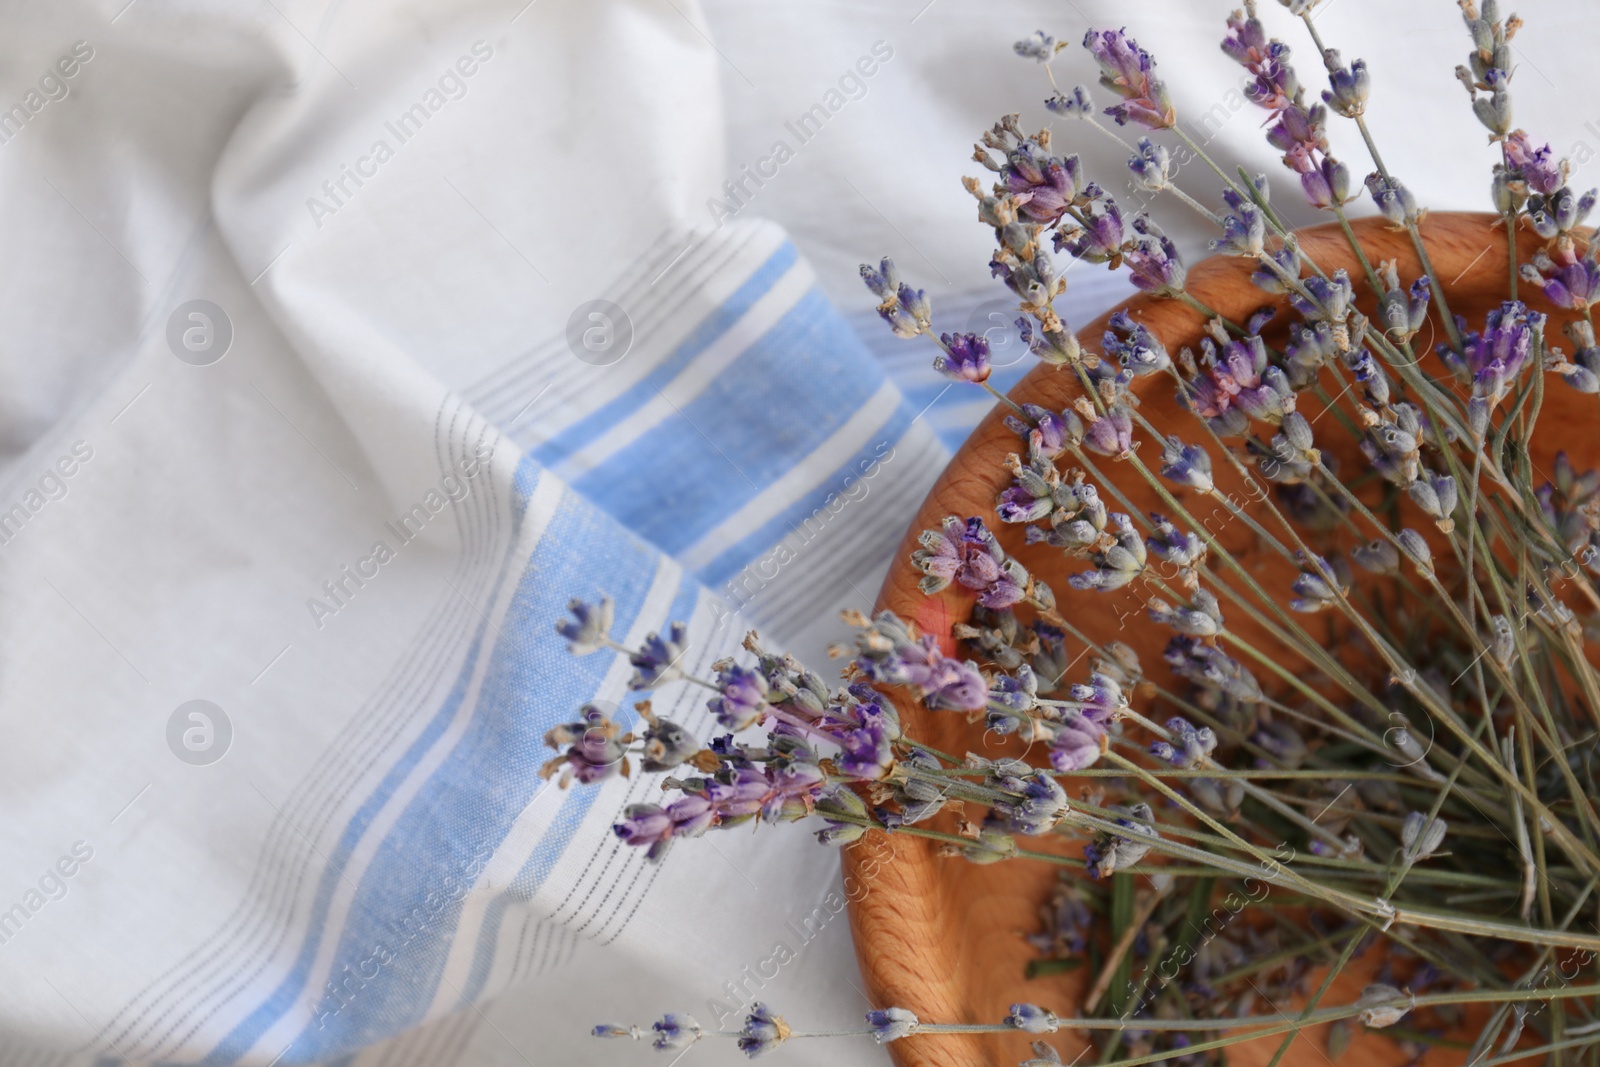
(501,394)
(337,772)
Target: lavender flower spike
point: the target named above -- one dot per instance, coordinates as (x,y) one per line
(1154,260)
(763,1031)
(743,697)
(891,1024)
(1513,337)
(887,287)
(968,554)
(1350,85)
(1037,46)
(1076,104)
(1076,746)
(1141,352)
(965,357)
(1032,1019)
(1568,281)
(675,1031)
(589,629)
(656,661)
(1127,70)
(1186,465)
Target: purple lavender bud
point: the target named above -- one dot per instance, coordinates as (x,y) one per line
(1039,806)
(1100,239)
(866,752)
(1416,549)
(589,629)
(1350,86)
(1436,495)
(1244,233)
(667,745)
(915,301)
(1275,268)
(692,815)
(1301,134)
(613,1030)
(1015,693)
(1151,166)
(1153,260)
(1418,296)
(1275,85)
(965,359)
(1378,556)
(1098,700)
(645,824)
(1127,70)
(1494,359)
(1110,434)
(1559,213)
(741,791)
(1173,545)
(1042,185)
(891,1024)
(1191,621)
(594,746)
(1074,104)
(1117,564)
(1421,836)
(1075,747)
(1318,586)
(675,1031)
(1583,373)
(656,661)
(1393,199)
(1033,1019)
(1328,184)
(1570,283)
(1030,496)
(883,281)
(1037,46)
(1369,374)
(743,698)
(1210,668)
(1331,298)
(763,1031)
(1138,350)
(1271,401)
(1535,167)
(1186,465)
(942,682)
(1047,433)
(1246,41)
(1192,746)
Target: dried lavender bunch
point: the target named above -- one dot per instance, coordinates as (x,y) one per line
(1415,771)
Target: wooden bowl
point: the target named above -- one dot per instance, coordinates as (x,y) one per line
(943,937)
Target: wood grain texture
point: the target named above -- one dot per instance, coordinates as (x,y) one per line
(943,937)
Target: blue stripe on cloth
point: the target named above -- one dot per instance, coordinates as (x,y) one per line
(526,661)
(454,815)
(802,516)
(544,857)
(763,415)
(591,426)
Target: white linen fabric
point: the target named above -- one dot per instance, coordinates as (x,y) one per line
(305,414)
